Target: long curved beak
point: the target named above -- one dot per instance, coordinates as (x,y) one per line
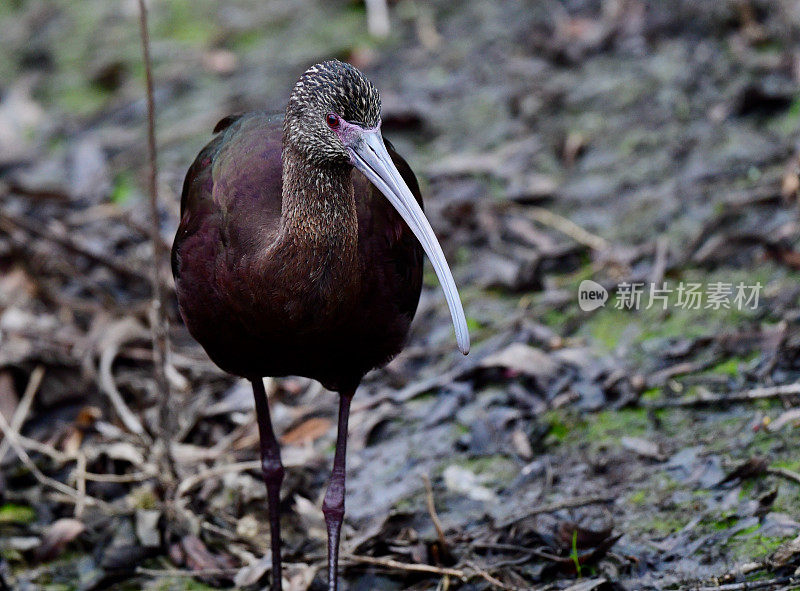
(370,157)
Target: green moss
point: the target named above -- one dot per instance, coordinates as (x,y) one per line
(661,524)
(184,21)
(615,424)
(461,429)
(82,99)
(11,513)
(559,427)
(788,500)
(144,498)
(748,545)
(639,497)
(651,394)
(181,584)
(123,189)
(607,326)
(473,325)
(495,468)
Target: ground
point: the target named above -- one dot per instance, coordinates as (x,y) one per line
(640,445)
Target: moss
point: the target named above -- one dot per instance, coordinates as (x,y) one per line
(82,99)
(613,425)
(639,497)
(473,325)
(787,501)
(143,498)
(461,429)
(11,513)
(560,424)
(123,189)
(750,545)
(492,469)
(184,21)
(661,524)
(651,394)
(180,584)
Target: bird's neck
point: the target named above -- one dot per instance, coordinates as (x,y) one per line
(319,219)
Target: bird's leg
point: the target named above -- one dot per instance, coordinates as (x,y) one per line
(272,469)
(333,505)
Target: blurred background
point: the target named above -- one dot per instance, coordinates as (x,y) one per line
(621,141)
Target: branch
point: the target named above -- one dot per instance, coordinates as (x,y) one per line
(158,321)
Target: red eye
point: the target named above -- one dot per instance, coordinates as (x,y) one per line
(332,120)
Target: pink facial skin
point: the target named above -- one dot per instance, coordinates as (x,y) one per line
(350,133)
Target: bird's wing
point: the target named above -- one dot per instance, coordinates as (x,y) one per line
(242,161)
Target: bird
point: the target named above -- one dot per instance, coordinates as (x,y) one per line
(299,252)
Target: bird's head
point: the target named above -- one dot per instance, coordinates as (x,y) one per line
(330,105)
(333,119)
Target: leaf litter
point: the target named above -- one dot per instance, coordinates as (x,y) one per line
(614,140)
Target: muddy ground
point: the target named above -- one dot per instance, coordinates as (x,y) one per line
(627,142)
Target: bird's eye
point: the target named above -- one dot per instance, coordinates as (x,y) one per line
(332,120)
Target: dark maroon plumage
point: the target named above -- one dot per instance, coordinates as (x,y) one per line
(299,252)
(258,316)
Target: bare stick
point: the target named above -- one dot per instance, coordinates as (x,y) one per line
(568,227)
(43,479)
(553,507)
(80,485)
(158,320)
(708,399)
(403,566)
(785,473)
(432,511)
(24,406)
(189,483)
(53,234)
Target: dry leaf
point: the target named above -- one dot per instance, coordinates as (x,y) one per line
(524,359)
(307,431)
(58,535)
(643,447)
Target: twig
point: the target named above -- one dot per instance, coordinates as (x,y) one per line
(432,511)
(746,395)
(660,260)
(404,566)
(490,579)
(120,478)
(785,473)
(169,572)
(568,227)
(189,483)
(43,479)
(24,406)
(46,450)
(553,507)
(53,234)
(80,484)
(118,334)
(158,320)
(747,585)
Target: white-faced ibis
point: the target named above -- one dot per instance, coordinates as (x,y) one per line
(296,255)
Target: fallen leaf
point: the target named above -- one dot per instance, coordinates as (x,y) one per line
(785,553)
(57,536)
(307,431)
(643,447)
(524,359)
(461,480)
